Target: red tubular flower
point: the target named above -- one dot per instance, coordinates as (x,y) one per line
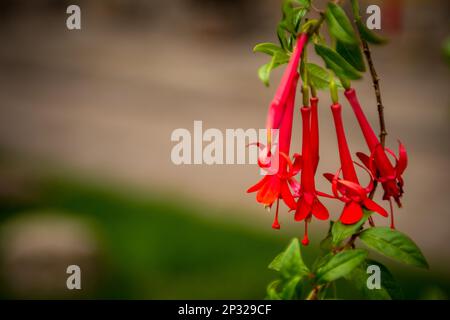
(278,105)
(275,186)
(353,194)
(315,132)
(308,203)
(280,116)
(378,162)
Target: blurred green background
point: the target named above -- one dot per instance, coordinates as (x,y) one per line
(85,124)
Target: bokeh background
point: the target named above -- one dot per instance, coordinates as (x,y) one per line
(85,123)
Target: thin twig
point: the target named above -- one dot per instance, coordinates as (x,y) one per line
(376,86)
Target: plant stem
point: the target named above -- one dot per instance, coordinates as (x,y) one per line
(376,86)
(318,24)
(314,294)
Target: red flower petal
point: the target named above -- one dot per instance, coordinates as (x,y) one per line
(354,187)
(364,159)
(303,210)
(352,213)
(320,211)
(269,191)
(373,206)
(287,196)
(257,186)
(402,159)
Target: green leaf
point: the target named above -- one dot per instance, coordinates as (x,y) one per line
(389,289)
(341,231)
(365,33)
(298,14)
(268,48)
(339,25)
(352,54)
(369,35)
(272,293)
(395,245)
(341,265)
(337,63)
(318,77)
(387,280)
(264,71)
(290,263)
(281,33)
(290,288)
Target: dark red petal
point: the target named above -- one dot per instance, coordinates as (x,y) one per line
(402,159)
(364,159)
(320,211)
(352,213)
(373,206)
(329,176)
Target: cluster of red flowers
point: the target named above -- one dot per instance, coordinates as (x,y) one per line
(302,196)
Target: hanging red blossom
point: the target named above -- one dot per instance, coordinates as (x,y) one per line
(308,203)
(275,185)
(352,193)
(377,162)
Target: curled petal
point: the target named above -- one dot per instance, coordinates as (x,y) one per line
(329,176)
(264,160)
(373,206)
(338,188)
(402,159)
(365,159)
(352,213)
(369,187)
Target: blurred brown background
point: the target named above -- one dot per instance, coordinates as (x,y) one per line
(102,102)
